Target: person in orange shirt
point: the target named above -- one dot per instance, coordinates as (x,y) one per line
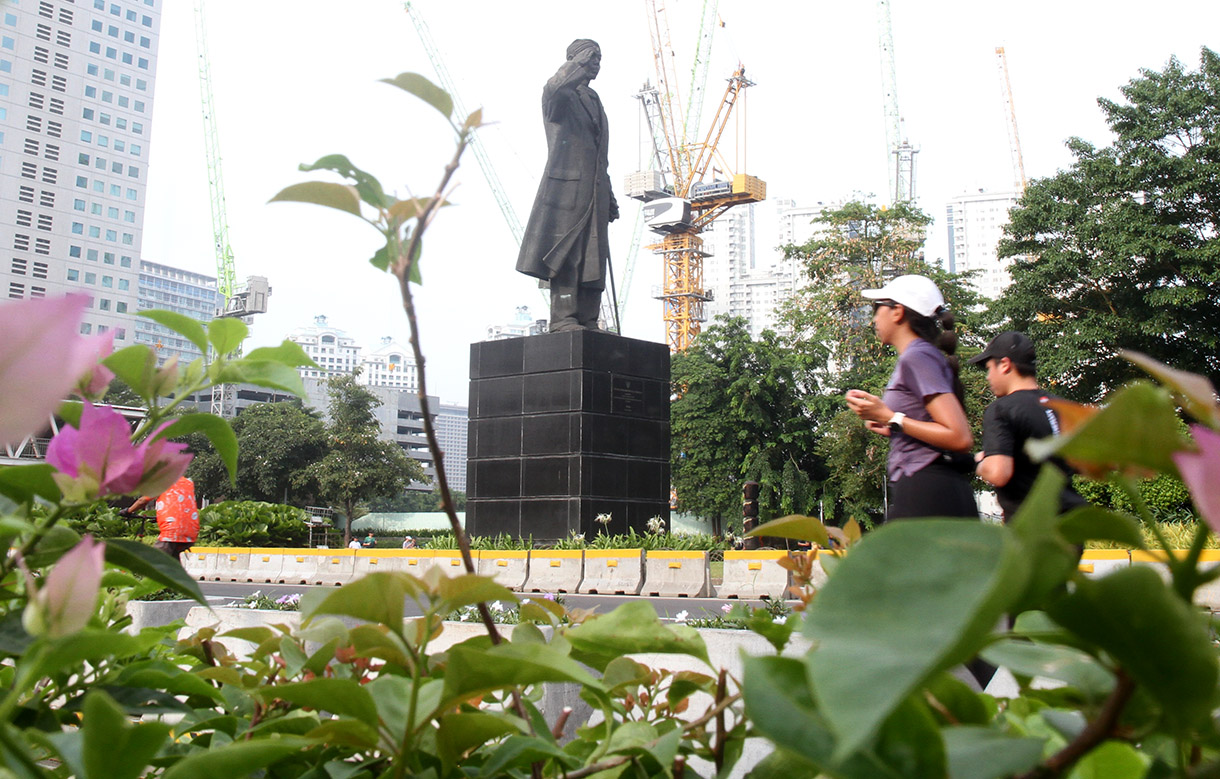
(177,517)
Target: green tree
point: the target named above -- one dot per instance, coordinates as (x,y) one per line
(861,246)
(1119,251)
(358,466)
(414,500)
(739,415)
(276,441)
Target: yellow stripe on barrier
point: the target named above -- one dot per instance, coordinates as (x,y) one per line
(266,558)
(675,564)
(612,563)
(556,563)
(753,566)
(501,563)
(1086,567)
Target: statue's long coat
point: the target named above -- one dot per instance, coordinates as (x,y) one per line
(575,189)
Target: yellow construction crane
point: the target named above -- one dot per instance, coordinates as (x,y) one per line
(1010,114)
(678,203)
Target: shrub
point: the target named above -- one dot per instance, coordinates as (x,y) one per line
(250,523)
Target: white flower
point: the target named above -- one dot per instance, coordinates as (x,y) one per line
(497,607)
(681,616)
(656,525)
(726,608)
(603,519)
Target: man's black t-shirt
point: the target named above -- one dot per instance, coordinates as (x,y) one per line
(1008,423)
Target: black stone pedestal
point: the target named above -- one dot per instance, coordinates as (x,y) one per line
(564,427)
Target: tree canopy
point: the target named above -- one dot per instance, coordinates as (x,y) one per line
(358,466)
(276,441)
(1120,250)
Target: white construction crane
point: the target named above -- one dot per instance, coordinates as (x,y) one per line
(1010,116)
(899,152)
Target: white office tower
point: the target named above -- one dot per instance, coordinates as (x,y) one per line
(178,290)
(76,98)
(389,365)
(335,352)
(522,324)
(452,426)
(976,225)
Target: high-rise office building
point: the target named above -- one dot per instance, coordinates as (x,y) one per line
(976,225)
(452,428)
(76,82)
(181,291)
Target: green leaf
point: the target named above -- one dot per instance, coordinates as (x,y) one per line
(425,90)
(1093,523)
(339,696)
(239,758)
(70,412)
(782,764)
(255,635)
(635,628)
(412,208)
(1051,559)
(342,197)
(368,187)
(264,374)
(381,258)
(113,747)
(1194,392)
(153,564)
(963,705)
(794,526)
(377,597)
(985,753)
(346,732)
(474,120)
(188,327)
(93,644)
(469,589)
(1155,636)
(287,353)
(21,483)
(521,751)
(136,366)
(227,333)
(1112,760)
(218,431)
(392,694)
(463,731)
(1137,427)
(474,671)
(1075,668)
(912,599)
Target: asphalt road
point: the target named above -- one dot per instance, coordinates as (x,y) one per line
(695,608)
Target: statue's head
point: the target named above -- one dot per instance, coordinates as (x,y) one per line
(587,53)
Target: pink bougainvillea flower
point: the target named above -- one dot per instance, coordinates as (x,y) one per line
(1201,473)
(164,463)
(92,385)
(42,355)
(97,458)
(67,598)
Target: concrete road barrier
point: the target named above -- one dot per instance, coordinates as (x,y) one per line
(508,567)
(318,566)
(264,565)
(198,561)
(555,570)
(755,574)
(1096,563)
(1208,595)
(450,562)
(375,560)
(613,572)
(231,565)
(676,575)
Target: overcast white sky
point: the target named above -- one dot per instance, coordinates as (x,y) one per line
(294,80)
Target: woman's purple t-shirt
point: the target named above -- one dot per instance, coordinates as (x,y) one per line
(922,373)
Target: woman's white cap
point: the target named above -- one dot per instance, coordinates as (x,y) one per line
(918,293)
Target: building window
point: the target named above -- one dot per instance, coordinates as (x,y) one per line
(73,274)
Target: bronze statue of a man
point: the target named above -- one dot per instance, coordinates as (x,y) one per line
(566,238)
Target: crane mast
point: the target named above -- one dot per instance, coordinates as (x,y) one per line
(900,154)
(684,206)
(226,274)
(1010,115)
(476,143)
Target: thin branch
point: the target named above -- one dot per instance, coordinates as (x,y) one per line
(1093,734)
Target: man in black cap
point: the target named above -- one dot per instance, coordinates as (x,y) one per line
(566,239)
(1018,414)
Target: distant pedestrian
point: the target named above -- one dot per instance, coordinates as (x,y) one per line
(354,544)
(922,410)
(408,543)
(369,542)
(1019,414)
(177,517)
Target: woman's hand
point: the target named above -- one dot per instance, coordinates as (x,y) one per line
(869,407)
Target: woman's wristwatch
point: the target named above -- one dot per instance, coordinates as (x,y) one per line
(896,421)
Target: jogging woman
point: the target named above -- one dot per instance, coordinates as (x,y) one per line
(921,411)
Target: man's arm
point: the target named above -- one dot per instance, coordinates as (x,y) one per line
(139,504)
(995,469)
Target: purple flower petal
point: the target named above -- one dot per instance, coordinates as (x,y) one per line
(92,385)
(1201,473)
(100,450)
(41,348)
(69,592)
